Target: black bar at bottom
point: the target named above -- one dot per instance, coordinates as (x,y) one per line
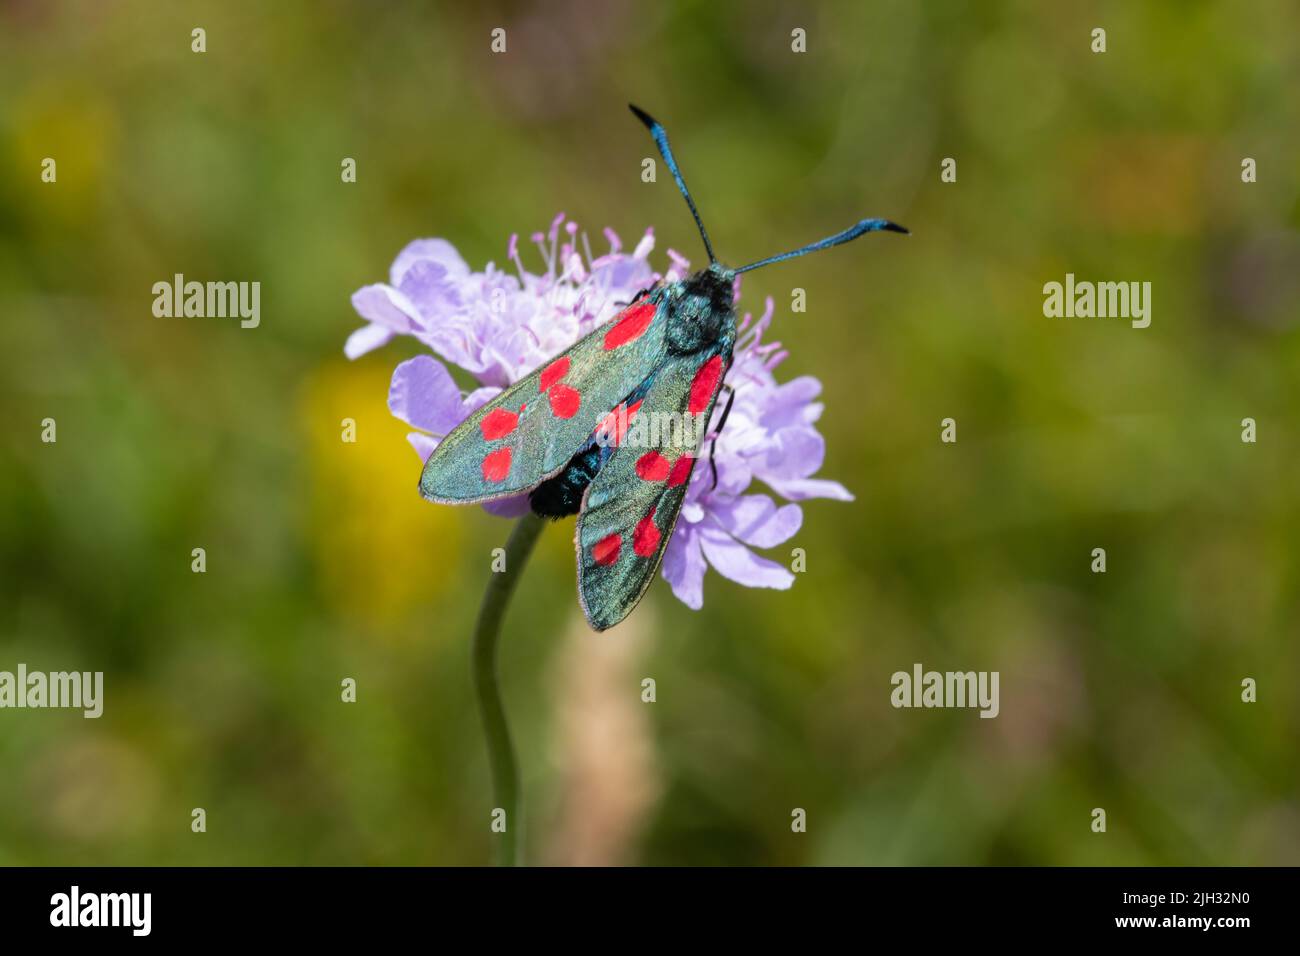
(333,905)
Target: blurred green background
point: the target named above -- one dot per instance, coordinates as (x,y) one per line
(1118,690)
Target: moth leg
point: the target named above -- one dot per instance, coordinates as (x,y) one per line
(722,423)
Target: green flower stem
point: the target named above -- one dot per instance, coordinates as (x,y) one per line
(501,752)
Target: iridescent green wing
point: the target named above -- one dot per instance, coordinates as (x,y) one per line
(529,432)
(631,508)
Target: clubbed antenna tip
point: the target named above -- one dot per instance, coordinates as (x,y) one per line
(661,140)
(643,116)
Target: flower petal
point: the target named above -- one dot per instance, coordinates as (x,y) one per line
(438,251)
(684,567)
(756,520)
(801,489)
(478,398)
(797,391)
(366,339)
(424,395)
(514,507)
(735,561)
(793,453)
(429,288)
(459,345)
(734,475)
(692,511)
(385,305)
(423,444)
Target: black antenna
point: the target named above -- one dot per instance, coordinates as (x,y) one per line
(865,226)
(661,140)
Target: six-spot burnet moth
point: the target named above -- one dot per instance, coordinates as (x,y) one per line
(558,434)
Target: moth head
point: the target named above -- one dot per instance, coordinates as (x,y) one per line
(713,287)
(702,306)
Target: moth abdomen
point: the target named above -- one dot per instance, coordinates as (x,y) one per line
(561,496)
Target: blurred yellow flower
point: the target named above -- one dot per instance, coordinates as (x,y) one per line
(379,552)
(73,127)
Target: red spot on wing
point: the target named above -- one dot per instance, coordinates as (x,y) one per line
(681,471)
(645,539)
(605,551)
(631,326)
(496,465)
(653,466)
(705,384)
(553,373)
(616,423)
(498,423)
(564,401)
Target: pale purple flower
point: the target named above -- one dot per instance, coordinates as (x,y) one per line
(499,326)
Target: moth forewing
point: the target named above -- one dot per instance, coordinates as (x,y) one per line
(631,508)
(529,432)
